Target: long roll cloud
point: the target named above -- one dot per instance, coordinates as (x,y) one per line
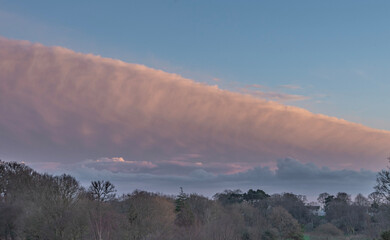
(59,105)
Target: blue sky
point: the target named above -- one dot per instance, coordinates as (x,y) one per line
(336,52)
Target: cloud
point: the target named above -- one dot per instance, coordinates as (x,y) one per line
(289,175)
(62,106)
(181,165)
(307,178)
(265,93)
(118,164)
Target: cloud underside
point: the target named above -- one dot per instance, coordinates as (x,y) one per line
(58,105)
(289,175)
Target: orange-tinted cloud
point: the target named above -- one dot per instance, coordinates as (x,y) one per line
(58,104)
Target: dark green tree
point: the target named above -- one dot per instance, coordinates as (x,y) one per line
(253,196)
(180,200)
(185,216)
(229,197)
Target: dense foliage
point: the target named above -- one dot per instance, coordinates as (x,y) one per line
(41,206)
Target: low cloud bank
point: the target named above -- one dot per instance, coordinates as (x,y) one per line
(290,175)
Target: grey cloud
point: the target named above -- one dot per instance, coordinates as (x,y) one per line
(290,175)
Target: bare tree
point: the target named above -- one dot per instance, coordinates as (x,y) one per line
(102,190)
(375,199)
(361,201)
(383,183)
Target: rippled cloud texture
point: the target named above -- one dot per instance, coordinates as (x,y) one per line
(64,107)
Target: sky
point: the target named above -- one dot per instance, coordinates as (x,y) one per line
(206,95)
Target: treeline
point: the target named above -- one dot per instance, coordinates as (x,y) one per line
(42,206)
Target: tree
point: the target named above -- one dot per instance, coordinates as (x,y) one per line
(329,199)
(229,197)
(327,230)
(16,180)
(58,197)
(270,234)
(18,187)
(375,199)
(322,198)
(385,235)
(180,200)
(225,222)
(254,196)
(343,197)
(286,225)
(10,216)
(100,218)
(383,183)
(185,216)
(361,201)
(147,215)
(102,190)
(351,218)
(294,204)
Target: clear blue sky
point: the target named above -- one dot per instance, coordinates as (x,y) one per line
(337,52)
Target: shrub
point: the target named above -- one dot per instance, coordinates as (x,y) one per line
(386,235)
(328,229)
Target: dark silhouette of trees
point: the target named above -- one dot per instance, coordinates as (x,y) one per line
(254,196)
(236,196)
(229,197)
(322,198)
(42,206)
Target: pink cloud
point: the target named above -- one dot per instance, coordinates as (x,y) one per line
(59,104)
(143,164)
(118,164)
(183,164)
